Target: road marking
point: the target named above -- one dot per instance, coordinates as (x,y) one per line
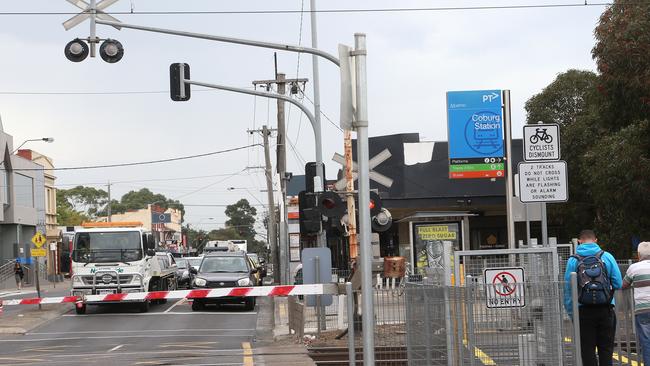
(482,356)
(248,354)
(46,348)
(21,359)
(179,302)
(116,348)
(143,331)
(8,294)
(154,314)
(200,345)
(123,336)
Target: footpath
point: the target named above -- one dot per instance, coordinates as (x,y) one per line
(21,319)
(275,346)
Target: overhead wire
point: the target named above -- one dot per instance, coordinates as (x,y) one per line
(342,11)
(118,165)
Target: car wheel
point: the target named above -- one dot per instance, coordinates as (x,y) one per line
(249,303)
(144,306)
(197,305)
(80,309)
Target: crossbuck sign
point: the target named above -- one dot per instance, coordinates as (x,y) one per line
(374,161)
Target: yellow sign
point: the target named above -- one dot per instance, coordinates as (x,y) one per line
(42,252)
(436,232)
(38,239)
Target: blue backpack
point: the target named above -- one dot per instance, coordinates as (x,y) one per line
(594,284)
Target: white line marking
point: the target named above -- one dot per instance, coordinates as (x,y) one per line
(154,314)
(9,294)
(116,348)
(143,331)
(179,302)
(123,336)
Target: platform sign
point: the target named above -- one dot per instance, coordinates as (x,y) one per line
(543,182)
(542,142)
(504,288)
(475,132)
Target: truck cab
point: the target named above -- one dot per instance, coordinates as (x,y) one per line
(111,258)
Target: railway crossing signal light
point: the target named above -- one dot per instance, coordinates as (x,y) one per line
(382,221)
(178,87)
(76,50)
(310,217)
(111,51)
(330,204)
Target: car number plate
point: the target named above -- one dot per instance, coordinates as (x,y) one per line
(105,292)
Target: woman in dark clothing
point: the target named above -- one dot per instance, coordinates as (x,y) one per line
(19,274)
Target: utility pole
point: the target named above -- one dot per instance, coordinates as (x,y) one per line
(349,191)
(272,237)
(108,207)
(281,83)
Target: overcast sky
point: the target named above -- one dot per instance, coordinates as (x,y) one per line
(413,59)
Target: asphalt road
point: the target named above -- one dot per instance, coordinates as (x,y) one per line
(119,335)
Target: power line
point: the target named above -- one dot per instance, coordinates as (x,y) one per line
(344,11)
(145,180)
(142,162)
(109,92)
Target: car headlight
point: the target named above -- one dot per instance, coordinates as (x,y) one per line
(76,280)
(200,282)
(136,279)
(244,282)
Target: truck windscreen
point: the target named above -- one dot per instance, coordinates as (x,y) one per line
(98,247)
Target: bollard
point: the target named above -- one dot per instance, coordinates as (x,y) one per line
(577,349)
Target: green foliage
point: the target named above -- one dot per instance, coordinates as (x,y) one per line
(66,215)
(241,216)
(135,200)
(622,53)
(87,200)
(606,132)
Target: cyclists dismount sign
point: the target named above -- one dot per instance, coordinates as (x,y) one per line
(542,142)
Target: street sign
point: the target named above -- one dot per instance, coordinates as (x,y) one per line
(542,142)
(504,288)
(475,133)
(161,218)
(40,252)
(38,239)
(543,182)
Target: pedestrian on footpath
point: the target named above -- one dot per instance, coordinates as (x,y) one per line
(19,274)
(598,276)
(638,276)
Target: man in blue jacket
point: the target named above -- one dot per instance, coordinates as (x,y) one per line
(597,323)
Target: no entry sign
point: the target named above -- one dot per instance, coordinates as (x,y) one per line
(504,287)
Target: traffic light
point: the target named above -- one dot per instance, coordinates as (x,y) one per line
(310,216)
(330,204)
(179,90)
(311,171)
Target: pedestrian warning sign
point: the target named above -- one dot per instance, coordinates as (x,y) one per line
(38,239)
(504,287)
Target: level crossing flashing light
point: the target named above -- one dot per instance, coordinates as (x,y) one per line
(76,50)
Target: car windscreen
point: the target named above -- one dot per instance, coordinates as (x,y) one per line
(195,262)
(223,265)
(123,246)
(181,264)
(255,259)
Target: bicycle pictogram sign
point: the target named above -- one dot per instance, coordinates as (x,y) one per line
(542,142)
(541,135)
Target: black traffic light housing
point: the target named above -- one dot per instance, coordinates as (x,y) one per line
(111,51)
(330,204)
(76,50)
(309,216)
(179,90)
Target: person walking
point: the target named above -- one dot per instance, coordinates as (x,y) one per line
(638,276)
(598,277)
(19,274)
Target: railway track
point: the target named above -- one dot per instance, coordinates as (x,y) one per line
(335,356)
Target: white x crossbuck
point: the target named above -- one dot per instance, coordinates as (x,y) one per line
(372,163)
(87,12)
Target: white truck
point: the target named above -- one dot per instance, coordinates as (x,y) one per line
(232,245)
(118,257)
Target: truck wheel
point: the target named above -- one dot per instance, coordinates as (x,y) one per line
(144,306)
(80,309)
(197,305)
(249,303)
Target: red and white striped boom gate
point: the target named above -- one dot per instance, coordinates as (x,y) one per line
(260,291)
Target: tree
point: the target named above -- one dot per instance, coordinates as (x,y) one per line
(241,221)
(135,200)
(571,101)
(87,200)
(66,215)
(622,54)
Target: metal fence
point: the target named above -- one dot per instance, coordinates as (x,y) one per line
(458,326)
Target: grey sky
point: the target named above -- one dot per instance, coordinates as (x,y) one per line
(413,59)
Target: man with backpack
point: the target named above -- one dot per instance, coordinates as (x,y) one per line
(598,276)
